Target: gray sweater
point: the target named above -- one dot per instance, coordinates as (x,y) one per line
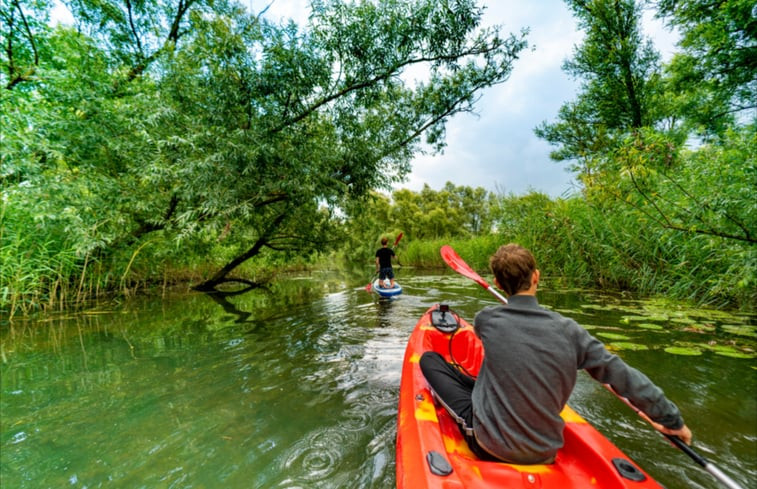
(531,360)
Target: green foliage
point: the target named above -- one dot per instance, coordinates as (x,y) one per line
(452,212)
(578,242)
(666,154)
(158,141)
(158,134)
(23,31)
(620,85)
(715,70)
(705,191)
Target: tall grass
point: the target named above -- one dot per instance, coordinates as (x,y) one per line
(34,274)
(574,242)
(582,245)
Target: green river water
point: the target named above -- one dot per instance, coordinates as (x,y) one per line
(297,386)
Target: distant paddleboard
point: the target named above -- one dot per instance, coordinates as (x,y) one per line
(384,291)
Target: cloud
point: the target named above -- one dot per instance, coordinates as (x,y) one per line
(498,150)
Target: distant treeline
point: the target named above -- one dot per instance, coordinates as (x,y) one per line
(575,242)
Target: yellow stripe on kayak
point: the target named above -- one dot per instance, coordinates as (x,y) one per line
(426,411)
(570,416)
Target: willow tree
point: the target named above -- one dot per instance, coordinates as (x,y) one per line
(672,144)
(275,127)
(714,75)
(619,71)
(196,126)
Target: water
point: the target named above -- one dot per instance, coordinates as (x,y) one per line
(297,387)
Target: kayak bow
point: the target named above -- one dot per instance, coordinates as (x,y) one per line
(431,452)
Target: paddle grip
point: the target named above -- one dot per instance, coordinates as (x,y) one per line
(687,450)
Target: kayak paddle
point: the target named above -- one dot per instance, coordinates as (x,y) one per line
(458,264)
(706,464)
(370,282)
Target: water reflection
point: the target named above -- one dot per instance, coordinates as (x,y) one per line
(297,386)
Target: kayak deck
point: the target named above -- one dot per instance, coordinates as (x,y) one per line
(431,452)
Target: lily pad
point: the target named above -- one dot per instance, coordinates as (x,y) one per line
(613,336)
(625,345)
(597,307)
(628,319)
(657,317)
(683,350)
(730,351)
(712,346)
(699,328)
(736,354)
(569,312)
(649,326)
(741,330)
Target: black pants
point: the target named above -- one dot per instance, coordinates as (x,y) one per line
(453,389)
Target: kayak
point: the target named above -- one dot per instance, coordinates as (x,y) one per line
(431,452)
(386,291)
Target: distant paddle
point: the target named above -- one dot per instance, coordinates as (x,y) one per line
(458,264)
(396,241)
(370,282)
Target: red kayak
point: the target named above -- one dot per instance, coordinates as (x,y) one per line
(431,452)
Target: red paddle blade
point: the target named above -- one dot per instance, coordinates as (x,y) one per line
(457,264)
(368,287)
(399,237)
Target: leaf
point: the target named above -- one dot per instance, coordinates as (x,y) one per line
(621,345)
(613,336)
(750,331)
(650,326)
(681,350)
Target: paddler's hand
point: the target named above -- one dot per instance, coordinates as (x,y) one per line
(684,433)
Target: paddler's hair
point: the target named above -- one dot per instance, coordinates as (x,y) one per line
(384,240)
(513,266)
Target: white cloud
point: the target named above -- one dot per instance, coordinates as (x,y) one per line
(60,14)
(499,150)
(278,10)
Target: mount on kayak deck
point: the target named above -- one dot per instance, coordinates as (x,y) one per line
(384,290)
(431,452)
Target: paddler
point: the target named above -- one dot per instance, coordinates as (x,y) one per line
(384,268)
(511,411)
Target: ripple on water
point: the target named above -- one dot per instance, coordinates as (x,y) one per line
(317,456)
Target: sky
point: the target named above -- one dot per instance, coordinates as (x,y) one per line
(495,147)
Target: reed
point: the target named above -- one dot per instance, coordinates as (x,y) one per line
(608,247)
